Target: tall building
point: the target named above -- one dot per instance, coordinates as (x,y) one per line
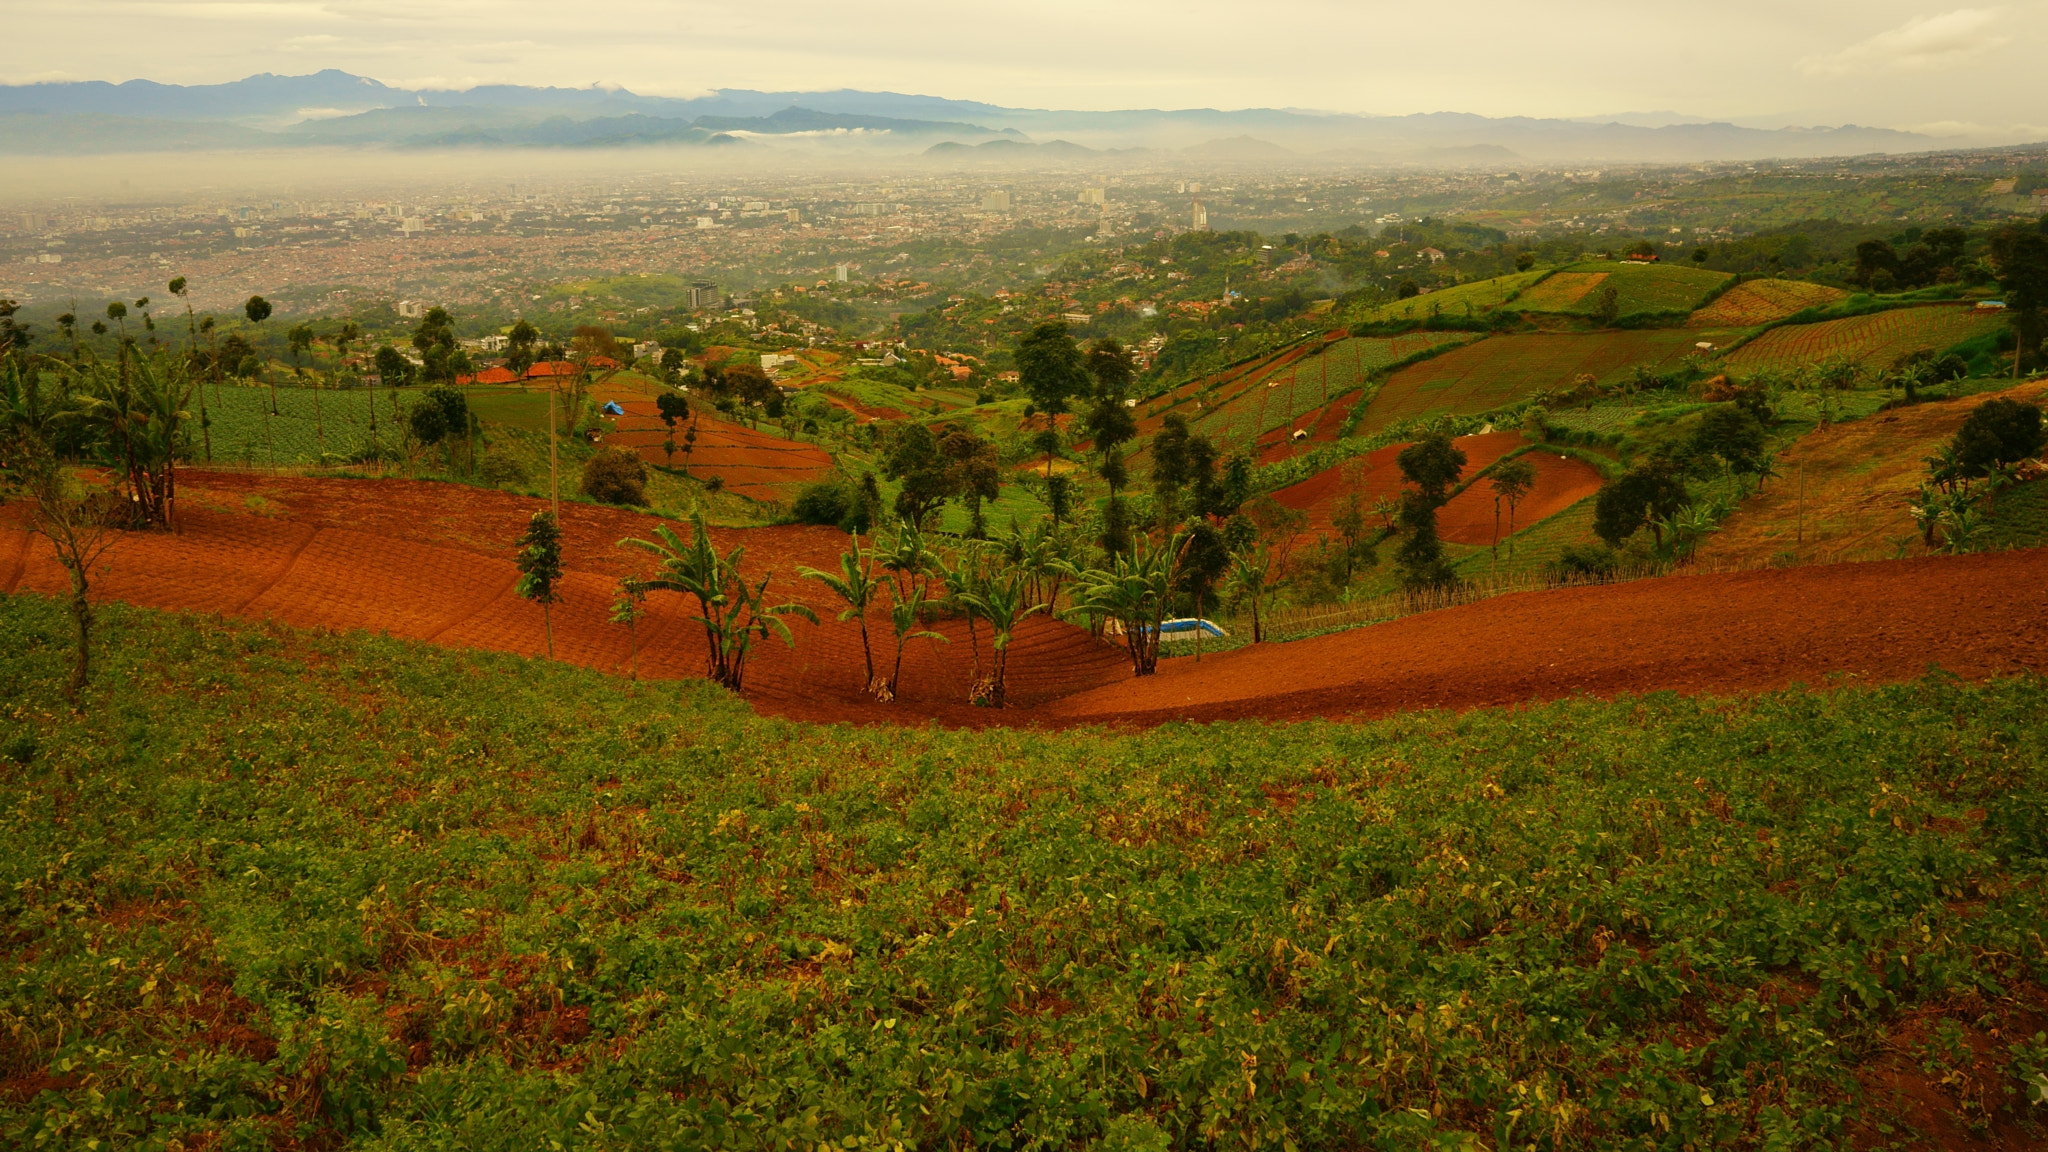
(996,201)
(1095,196)
(840,272)
(702,294)
(1201,214)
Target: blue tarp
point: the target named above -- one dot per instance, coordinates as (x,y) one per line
(611,408)
(1185,629)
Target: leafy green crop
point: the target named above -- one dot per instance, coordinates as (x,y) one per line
(279,886)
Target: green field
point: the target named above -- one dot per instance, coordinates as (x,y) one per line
(282,889)
(1503,370)
(1459,301)
(1639,287)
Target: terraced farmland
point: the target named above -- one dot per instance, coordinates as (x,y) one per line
(1501,370)
(1464,299)
(1878,339)
(1761,302)
(1640,288)
(1291,386)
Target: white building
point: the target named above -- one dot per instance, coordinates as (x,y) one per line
(1095,196)
(996,201)
(1201,217)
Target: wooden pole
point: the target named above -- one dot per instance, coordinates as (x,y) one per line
(554,475)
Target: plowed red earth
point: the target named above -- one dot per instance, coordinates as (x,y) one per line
(751,462)
(1468,518)
(434,562)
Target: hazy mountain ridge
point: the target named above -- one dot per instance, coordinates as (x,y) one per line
(337,108)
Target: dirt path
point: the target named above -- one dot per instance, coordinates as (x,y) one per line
(433,562)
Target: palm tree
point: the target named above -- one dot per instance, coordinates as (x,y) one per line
(856,584)
(1134,591)
(178,288)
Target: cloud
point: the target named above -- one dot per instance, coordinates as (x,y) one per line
(1922,44)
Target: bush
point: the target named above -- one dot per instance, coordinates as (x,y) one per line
(615,476)
(1588,562)
(503,470)
(824,502)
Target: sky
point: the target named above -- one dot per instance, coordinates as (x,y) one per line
(1973,71)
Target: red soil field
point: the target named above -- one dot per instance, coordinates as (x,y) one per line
(433,562)
(1468,518)
(1974,616)
(752,463)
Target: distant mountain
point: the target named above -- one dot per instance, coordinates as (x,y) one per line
(339,109)
(1010,151)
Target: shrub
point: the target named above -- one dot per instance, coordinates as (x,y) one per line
(824,502)
(615,476)
(503,470)
(1587,562)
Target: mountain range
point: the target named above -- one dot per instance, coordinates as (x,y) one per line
(334,108)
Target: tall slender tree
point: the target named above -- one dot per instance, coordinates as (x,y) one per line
(257,309)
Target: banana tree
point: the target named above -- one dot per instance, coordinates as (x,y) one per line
(138,408)
(1004,604)
(1134,592)
(733,612)
(855,584)
(904,616)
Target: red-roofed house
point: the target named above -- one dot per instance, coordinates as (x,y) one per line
(547,368)
(499,375)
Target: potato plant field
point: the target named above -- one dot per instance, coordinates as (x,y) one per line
(1877,340)
(1502,370)
(285,889)
(244,431)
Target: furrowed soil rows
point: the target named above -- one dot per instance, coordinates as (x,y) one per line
(1502,370)
(1742,632)
(434,562)
(752,463)
(1755,302)
(1878,339)
(1468,518)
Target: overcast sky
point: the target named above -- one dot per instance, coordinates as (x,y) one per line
(1883,62)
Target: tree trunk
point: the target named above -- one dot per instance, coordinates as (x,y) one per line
(81,660)
(547,623)
(997,688)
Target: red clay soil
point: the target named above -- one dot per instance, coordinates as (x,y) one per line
(1467,519)
(1561,481)
(1322,424)
(433,562)
(1976,616)
(752,463)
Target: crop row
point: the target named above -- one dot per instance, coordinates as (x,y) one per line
(1877,340)
(1502,370)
